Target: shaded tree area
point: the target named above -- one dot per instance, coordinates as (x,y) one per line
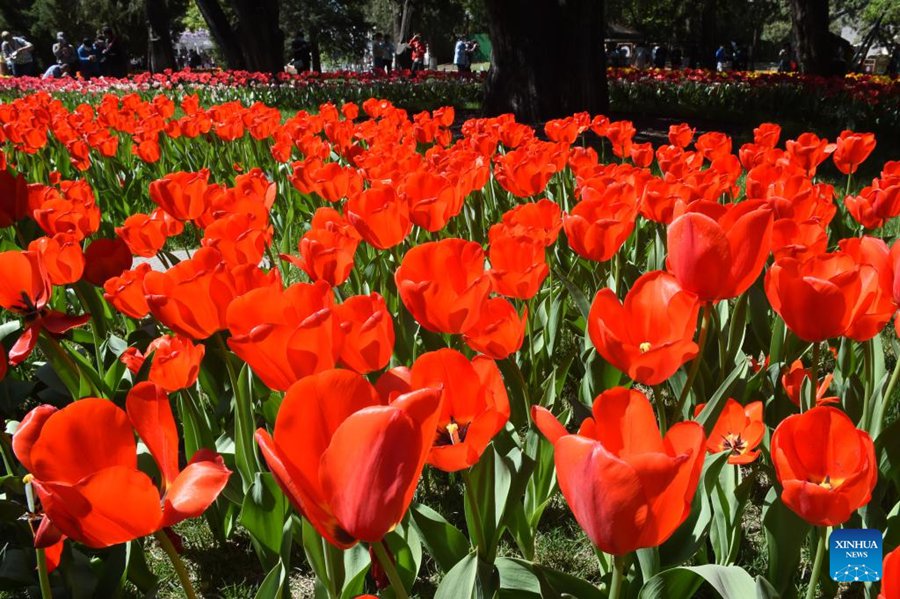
(248,32)
(336,29)
(548,58)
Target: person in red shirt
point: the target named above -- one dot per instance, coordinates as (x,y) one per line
(418,52)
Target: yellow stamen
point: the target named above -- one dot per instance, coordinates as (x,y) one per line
(453,431)
(644,347)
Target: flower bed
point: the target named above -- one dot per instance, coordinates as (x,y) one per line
(325,328)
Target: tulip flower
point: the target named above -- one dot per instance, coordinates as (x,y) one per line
(712,258)
(808,151)
(597,227)
(499,331)
(518,264)
(443,284)
(126,292)
(25,289)
(13,198)
(474,405)
(83,465)
(681,135)
(739,430)
(146,234)
(627,487)
(540,220)
(767,135)
(652,335)
(890,576)
(348,461)
(368,333)
(176,362)
(433,199)
(105,259)
(327,249)
(822,296)
(61,256)
(851,150)
(380,217)
(825,465)
(713,145)
(181,194)
(792,381)
(285,335)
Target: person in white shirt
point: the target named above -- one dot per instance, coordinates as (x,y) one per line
(462,53)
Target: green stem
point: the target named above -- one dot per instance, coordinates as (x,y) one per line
(163,539)
(478,525)
(695,365)
(817,564)
(532,367)
(390,569)
(43,574)
(331,569)
(615,588)
(882,408)
(869,368)
(660,408)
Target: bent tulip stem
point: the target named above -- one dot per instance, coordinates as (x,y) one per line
(615,588)
(177,563)
(390,569)
(817,564)
(695,365)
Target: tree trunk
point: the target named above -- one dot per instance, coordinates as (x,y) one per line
(260,35)
(812,40)
(161,54)
(222,32)
(548,59)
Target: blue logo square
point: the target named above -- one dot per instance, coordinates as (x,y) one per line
(855,555)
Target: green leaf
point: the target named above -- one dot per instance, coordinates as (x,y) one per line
(731,582)
(273,585)
(445,543)
(517,579)
(713,407)
(262,514)
(471,578)
(785,535)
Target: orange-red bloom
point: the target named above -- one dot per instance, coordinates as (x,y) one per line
(499,331)
(348,461)
(712,257)
(285,335)
(146,234)
(84,462)
(380,217)
(176,362)
(627,487)
(518,263)
(890,576)
(822,296)
(327,249)
(182,195)
(738,431)
(597,227)
(851,150)
(105,258)
(808,151)
(368,333)
(652,334)
(61,257)
(826,466)
(792,381)
(443,284)
(126,292)
(681,135)
(474,405)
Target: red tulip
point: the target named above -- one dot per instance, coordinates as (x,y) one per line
(539,220)
(327,249)
(825,465)
(738,431)
(146,234)
(348,461)
(767,135)
(518,264)
(105,259)
(792,381)
(182,195)
(83,460)
(443,284)
(890,576)
(597,227)
(380,217)
(474,405)
(368,333)
(176,362)
(13,198)
(126,292)
(712,258)
(808,151)
(627,487)
(61,257)
(681,135)
(713,145)
(499,331)
(822,296)
(433,199)
(642,154)
(652,335)
(851,150)
(285,335)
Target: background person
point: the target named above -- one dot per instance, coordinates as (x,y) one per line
(19,54)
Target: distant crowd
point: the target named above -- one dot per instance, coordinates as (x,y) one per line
(103,55)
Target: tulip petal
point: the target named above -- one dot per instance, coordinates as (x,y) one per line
(547,423)
(195,488)
(81,439)
(151,416)
(112,506)
(28,433)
